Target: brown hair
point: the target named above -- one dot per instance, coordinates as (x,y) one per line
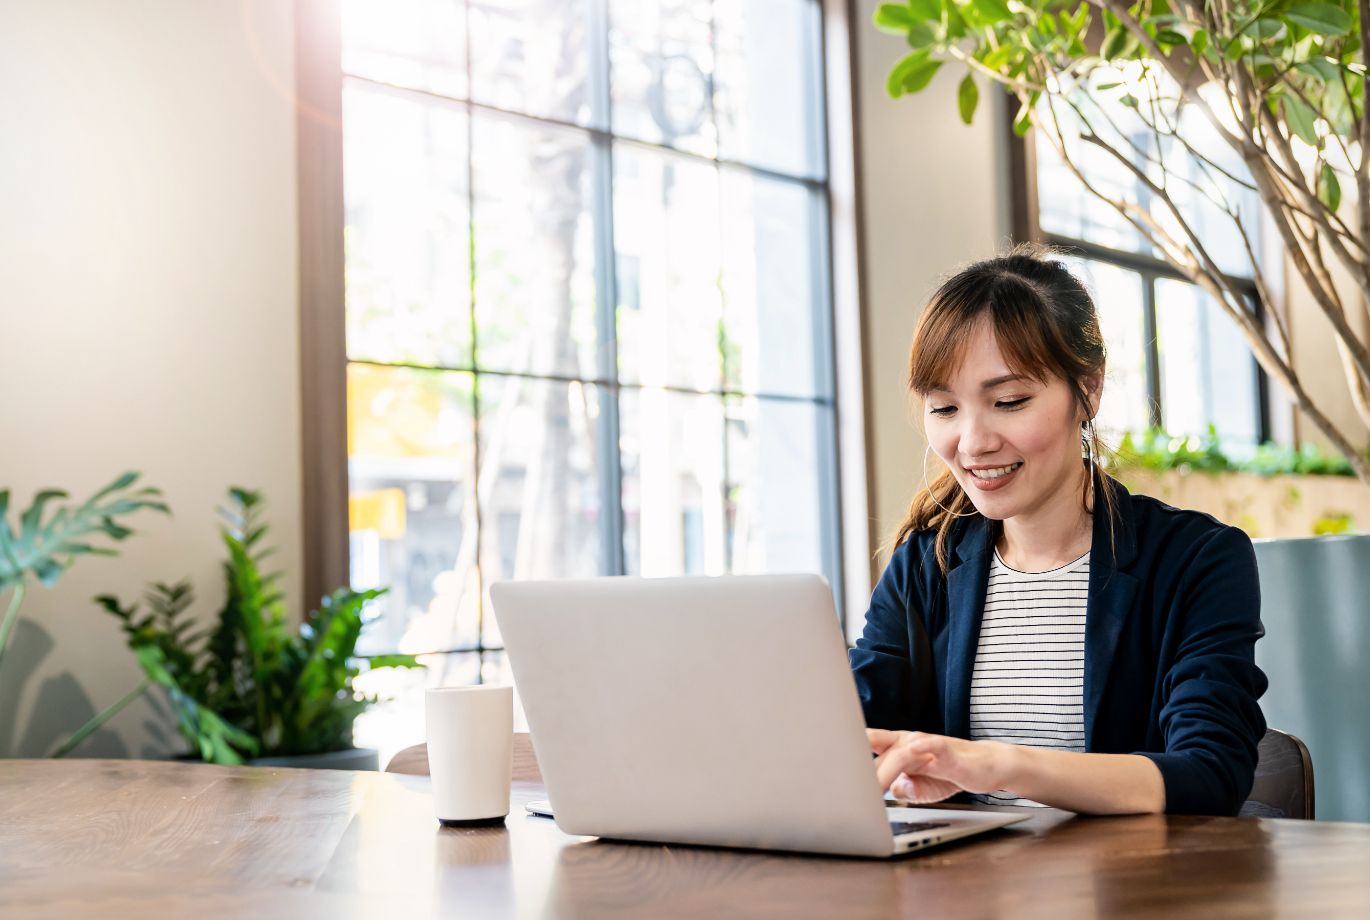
(1046,325)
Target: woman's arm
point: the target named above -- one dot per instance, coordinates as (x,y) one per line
(888,680)
(920,767)
(1095,784)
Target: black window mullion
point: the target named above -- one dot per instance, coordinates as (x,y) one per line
(479,646)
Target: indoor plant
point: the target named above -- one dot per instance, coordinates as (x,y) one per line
(250,685)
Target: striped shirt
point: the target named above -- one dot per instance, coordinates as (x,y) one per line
(1028,683)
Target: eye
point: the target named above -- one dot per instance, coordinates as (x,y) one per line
(1012,403)
(942,411)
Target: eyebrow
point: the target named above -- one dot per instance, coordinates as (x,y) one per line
(988,384)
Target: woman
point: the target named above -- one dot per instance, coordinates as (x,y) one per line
(1040,636)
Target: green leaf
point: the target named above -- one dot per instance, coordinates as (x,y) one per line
(926,10)
(1329,189)
(123,482)
(998,57)
(1318,67)
(1023,120)
(1115,42)
(393,661)
(1322,18)
(1128,100)
(913,72)
(29,523)
(992,11)
(920,35)
(1199,41)
(1264,29)
(1171,37)
(1300,118)
(894,83)
(46,549)
(967,97)
(893,18)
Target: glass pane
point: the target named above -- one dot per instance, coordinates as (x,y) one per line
(412,512)
(540,463)
(673,515)
(534,248)
(418,43)
(397,721)
(1066,207)
(1208,375)
(1117,294)
(661,67)
(666,232)
(407,240)
(777,452)
(1199,189)
(776,310)
(532,56)
(769,94)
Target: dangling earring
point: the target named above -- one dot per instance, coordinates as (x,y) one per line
(1087,442)
(932,494)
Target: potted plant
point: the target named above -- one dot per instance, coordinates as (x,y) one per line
(252,688)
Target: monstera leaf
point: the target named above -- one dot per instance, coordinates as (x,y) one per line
(47,546)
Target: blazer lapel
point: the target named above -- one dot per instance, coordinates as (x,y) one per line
(1110,598)
(965,602)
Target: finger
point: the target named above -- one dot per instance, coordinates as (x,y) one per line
(913,742)
(881,739)
(922,790)
(888,770)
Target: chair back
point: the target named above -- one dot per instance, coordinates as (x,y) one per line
(1284,779)
(414,760)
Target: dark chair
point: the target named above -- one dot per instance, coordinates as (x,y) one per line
(415,760)
(1284,779)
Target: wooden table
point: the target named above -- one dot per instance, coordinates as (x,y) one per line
(108,838)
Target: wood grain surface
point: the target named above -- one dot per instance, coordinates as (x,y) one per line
(103,838)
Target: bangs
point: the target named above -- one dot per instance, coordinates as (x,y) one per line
(1013,311)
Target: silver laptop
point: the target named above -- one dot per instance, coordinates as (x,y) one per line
(717,711)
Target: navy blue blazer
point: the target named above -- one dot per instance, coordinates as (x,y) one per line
(1170,632)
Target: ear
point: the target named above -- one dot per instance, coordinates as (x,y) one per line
(1094,392)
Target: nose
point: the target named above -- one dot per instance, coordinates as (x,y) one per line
(979,439)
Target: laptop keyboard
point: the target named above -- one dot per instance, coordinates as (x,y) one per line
(909,827)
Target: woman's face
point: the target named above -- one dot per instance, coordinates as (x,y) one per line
(1012,442)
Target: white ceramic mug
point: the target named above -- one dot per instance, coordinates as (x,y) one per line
(470,753)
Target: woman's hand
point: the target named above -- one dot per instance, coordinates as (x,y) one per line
(921,768)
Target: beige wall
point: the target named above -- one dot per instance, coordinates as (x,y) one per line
(1316,358)
(934,194)
(147,313)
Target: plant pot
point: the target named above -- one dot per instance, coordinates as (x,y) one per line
(1317,639)
(348,759)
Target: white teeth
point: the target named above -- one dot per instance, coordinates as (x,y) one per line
(996,472)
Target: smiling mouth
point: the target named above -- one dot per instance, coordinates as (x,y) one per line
(995,473)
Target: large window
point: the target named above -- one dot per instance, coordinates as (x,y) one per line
(1176,360)
(588,307)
